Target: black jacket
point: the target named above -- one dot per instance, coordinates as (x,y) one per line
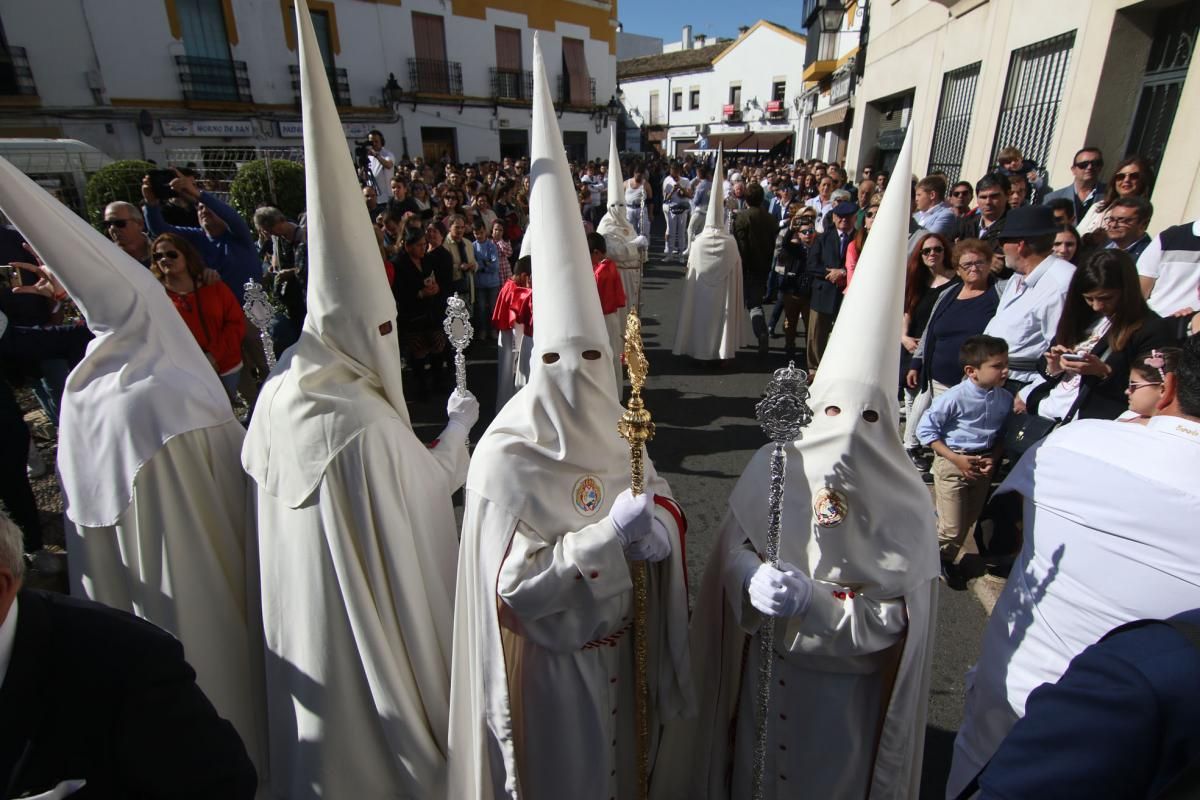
(1104,398)
(98,694)
(825,254)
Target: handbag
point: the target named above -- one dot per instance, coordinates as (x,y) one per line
(1025,430)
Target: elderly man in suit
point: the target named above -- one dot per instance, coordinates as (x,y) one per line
(827,264)
(97,701)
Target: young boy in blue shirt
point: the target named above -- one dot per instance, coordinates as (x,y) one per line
(964,428)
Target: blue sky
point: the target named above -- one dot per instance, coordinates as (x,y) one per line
(711,17)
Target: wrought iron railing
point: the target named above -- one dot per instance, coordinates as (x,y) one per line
(16,78)
(431,76)
(213,79)
(564,93)
(512,84)
(339,82)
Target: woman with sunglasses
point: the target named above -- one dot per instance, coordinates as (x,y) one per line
(420,196)
(210,311)
(1133,177)
(961,310)
(1105,324)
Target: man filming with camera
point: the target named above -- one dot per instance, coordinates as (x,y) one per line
(382,164)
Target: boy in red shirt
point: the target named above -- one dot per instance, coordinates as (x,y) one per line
(612,300)
(513,314)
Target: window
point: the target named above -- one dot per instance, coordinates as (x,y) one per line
(208,71)
(693,99)
(653,109)
(509,75)
(430,72)
(779,90)
(575,143)
(677,101)
(15,75)
(577,86)
(735,96)
(1032,92)
(1175,35)
(202,23)
(953,121)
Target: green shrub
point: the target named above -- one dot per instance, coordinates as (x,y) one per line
(250,188)
(120,180)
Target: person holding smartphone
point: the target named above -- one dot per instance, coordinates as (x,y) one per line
(1105,324)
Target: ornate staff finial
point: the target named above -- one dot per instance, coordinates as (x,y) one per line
(258,309)
(459,331)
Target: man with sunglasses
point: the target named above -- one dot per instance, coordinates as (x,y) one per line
(124,224)
(1087,187)
(959,199)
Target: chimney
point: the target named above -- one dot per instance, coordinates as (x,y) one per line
(742,29)
(687,38)
(701,38)
(620,27)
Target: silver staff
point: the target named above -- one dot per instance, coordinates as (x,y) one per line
(459,331)
(781,413)
(258,309)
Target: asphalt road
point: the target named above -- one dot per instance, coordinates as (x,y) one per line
(706,433)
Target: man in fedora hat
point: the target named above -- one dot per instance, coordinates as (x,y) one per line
(1033,298)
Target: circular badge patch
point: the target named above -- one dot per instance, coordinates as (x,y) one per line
(830,507)
(588,495)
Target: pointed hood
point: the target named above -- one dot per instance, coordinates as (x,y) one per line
(861,515)
(344,373)
(561,427)
(716,200)
(615,222)
(144,379)
(616,180)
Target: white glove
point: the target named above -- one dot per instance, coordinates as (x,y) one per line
(779,593)
(640,242)
(632,517)
(652,548)
(462,409)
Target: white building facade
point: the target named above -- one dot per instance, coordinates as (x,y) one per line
(148,78)
(1047,77)
(831,72)
(742,94)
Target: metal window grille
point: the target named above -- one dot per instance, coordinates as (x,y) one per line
(339,82)
(1175,36)
(509,84)
(218,166)
(566,98)
(16,78)
(431,76)
(213,79)
(1032,92)
(953,121)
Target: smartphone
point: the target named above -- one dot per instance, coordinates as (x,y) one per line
(160,182)
(10,276)
(1072,357)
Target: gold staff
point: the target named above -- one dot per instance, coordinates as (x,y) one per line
(636,428)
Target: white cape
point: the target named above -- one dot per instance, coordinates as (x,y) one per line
(1092,560)
(358,593)
(713,321)
(178,556)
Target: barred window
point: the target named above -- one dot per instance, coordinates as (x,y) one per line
(1032,92)
(953,121)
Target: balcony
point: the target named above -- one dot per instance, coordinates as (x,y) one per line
(16,78)
(775,111)
(565,98)
(339,82)
(213,79)
(430,76)
(731,113)
(512,84)
(820,70)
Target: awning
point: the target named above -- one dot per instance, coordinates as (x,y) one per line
(830,117)
(748,141)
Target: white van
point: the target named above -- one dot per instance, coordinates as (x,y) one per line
(62,166)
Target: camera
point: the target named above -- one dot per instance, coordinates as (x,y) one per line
(160,183)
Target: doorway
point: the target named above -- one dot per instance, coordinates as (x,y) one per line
(438,145)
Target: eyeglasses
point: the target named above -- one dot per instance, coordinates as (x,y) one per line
(930,251)
(1093,163)
(116,223)
(164,255)
(1135,385)
(806,231)
(961,193)
(972,265)
(1127,176)
(1119,222)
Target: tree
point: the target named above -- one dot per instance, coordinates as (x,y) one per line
(120,180)
(251,189)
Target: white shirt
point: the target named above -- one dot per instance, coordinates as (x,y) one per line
(1176,278)
(1027,317)
(8,634)
(670,189)
(383,175)
(822,208)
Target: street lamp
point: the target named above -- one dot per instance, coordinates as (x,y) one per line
(392,93)
(614,110)
(832,15)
